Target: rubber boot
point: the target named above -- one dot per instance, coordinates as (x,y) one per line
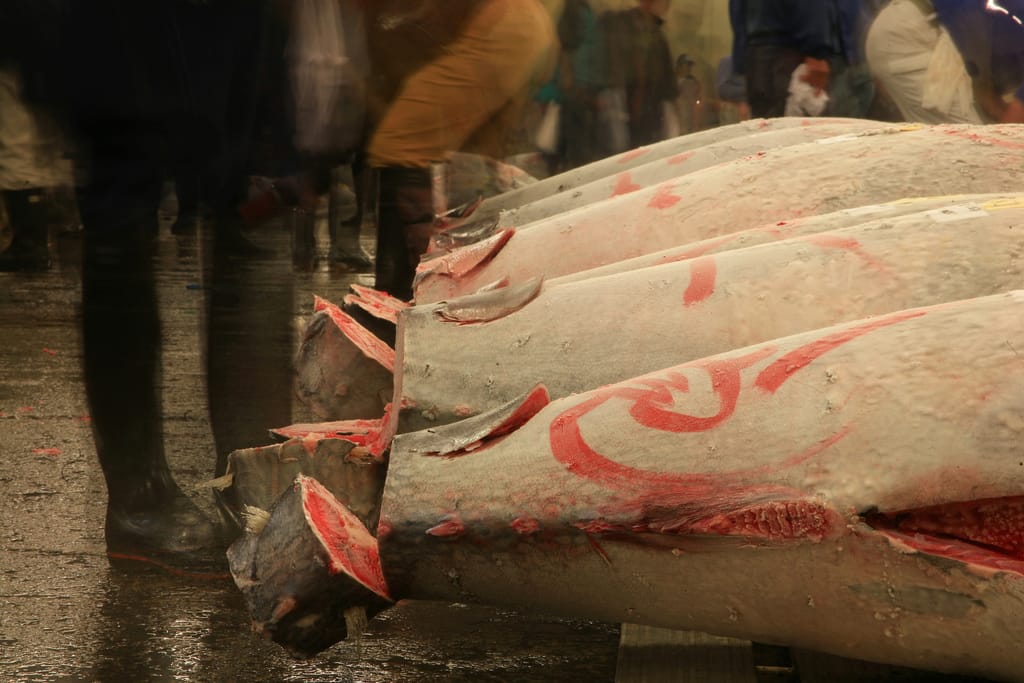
(344,220)
(405,219)
(28,212)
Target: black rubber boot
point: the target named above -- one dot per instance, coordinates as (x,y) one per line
(28,212)
(405,217)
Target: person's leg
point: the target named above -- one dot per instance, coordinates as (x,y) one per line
(345,218)
(250,300)
(28,212)
(769,69)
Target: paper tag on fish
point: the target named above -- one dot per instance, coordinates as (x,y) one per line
(960,212)
(838,138)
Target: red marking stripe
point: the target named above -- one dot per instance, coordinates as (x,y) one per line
(624,185)
(776,374)
(626,157)
(663,198)
(703,272)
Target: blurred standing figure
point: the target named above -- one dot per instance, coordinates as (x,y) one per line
(31,167)
(689,104)
(640,64)
(732,93)
(771,38)
(147,87)
(448,76)
(951,61)
(581,77)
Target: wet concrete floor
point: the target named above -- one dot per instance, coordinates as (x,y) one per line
(67,615)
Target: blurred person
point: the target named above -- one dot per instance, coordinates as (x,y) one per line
(581,77)
(949,61)
(145,87)
(640,66)
(732,93)
(772,38)
(447,76)
(32,169)
(689,102)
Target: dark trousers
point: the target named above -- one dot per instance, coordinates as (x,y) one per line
(165,86)
(769,69)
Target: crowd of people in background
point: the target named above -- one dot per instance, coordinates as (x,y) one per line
(210,93)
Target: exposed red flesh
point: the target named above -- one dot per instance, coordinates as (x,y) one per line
(352,549)
(359,432)
(371,345)
(987,533)
(378,304)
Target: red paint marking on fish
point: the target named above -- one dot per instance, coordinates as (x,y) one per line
(830,241)
(663,198)
(570,448)
(49,351)
(700,250)
(626,157)
(703,272)
(449,527)
(624,185)
(679,158)
(47,451)
(776,374)
(685,499)
(984,139)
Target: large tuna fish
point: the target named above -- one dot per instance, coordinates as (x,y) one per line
(675,166)
(470,354)
(854,489)
(492,207)
(778,185)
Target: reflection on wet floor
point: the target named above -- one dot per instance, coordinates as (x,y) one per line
(66,614)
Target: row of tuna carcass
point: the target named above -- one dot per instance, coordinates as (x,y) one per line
(767,384)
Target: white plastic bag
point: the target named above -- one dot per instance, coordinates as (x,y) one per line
(804,99)
(327,56)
